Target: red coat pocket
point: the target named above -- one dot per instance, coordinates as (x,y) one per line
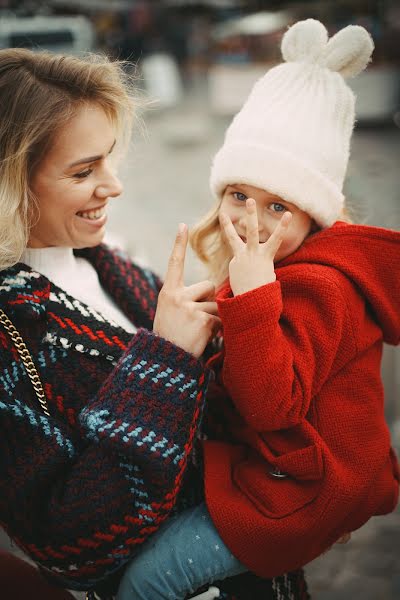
(285,486)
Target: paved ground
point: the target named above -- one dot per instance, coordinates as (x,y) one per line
(166,181)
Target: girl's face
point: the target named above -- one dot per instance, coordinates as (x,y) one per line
(270,209)
(74,182)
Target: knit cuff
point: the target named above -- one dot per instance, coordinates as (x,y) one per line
(150,345)
(242,312)
(152,383)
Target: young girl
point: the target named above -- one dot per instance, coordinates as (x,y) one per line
(300,452)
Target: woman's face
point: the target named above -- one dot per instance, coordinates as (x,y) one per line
(74,182)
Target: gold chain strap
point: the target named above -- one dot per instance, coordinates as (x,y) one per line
(28,364)
(26,359)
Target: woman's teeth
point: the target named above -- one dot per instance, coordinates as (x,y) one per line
(92,214)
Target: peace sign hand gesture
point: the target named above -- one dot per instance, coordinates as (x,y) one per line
(252,264)
(185,316)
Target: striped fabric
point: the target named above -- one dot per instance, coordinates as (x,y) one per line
(83,488)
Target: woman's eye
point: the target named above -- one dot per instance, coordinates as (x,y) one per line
(239,196)
(83,174)
(278,207)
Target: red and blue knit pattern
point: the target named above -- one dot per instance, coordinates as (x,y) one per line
(83,488)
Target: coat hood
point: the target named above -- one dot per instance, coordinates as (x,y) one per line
(370,258)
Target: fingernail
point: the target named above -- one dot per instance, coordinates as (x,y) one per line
(250,202)
(181,227)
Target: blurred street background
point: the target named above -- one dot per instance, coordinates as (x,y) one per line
(195,62)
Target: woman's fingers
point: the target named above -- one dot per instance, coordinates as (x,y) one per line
(209,307)
(252,235)
(203,290)
(215,327)
(344,538)
(174,275)
(234,240)
(276,237)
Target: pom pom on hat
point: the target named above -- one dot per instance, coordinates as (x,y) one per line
(347,52)
(304,41)
(292,136)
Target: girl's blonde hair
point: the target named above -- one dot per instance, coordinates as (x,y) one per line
(207,242)
(39,93)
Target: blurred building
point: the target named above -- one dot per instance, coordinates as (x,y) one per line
(232,42)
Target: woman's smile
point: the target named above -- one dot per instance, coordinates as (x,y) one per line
(96,216)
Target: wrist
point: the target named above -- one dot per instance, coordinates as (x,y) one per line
(250,285)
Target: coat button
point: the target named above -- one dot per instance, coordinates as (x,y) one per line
(275,472)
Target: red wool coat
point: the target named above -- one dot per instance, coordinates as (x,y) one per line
(300,392)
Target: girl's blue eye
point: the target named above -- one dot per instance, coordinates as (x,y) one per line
(277,207)
(239,196)
(83,174)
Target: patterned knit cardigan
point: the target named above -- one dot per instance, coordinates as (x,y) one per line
(82,489)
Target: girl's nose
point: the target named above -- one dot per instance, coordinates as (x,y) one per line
(261,225)
(260,219)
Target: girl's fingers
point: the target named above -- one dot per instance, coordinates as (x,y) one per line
(233,239)
(204,290)
(174,275)
(277,236)
(252,235)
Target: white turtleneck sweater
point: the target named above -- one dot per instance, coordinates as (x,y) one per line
(76,276)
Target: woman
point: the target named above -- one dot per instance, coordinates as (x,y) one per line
(94,471)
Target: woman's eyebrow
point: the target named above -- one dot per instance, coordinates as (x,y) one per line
(89,159)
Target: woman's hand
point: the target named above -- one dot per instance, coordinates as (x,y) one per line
(252,264)
(185,316)
(346,537)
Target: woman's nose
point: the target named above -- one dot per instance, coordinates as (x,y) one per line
(110,188)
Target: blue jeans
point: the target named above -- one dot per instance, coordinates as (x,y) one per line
(185,554)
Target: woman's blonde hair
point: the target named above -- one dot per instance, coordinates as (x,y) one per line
(39,93)
(209,245)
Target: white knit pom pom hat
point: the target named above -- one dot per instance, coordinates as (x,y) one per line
(292,136)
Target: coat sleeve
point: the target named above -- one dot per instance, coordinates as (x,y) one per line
(281,344)
(81,501)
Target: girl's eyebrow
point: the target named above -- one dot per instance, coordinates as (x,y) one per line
(90,159)
(236,185)
(272,197)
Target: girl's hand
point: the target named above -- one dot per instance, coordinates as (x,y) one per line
(185,316)
(252,264)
